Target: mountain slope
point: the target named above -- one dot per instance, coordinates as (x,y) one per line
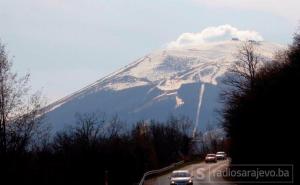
(179,81)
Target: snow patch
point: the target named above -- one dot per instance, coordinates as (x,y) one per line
(179,102)
(198,108)
(125,85)
(170,84)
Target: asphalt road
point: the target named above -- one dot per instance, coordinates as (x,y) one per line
(203,173)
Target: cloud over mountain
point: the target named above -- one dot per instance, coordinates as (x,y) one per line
(212,34)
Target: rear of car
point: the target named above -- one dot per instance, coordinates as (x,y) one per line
(221,156)
(211,158)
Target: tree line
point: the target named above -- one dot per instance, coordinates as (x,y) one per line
(261,105)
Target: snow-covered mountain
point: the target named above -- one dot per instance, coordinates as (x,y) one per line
(179,81)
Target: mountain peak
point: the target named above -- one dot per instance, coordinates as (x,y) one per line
(167,81)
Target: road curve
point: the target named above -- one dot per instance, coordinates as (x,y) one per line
(203,173)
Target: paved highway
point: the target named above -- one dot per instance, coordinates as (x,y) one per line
(203,173)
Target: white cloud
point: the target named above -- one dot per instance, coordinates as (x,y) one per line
(212,34)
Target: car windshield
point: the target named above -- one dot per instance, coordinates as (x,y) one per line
(211,155)
(180,174)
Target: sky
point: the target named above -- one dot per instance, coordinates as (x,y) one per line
(68,44)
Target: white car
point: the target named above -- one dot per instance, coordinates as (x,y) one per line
(211,158)
(181,177)
(221,155)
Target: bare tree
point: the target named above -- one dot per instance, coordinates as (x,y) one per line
(89,127)
(115,127)
(243,72)
(19,111)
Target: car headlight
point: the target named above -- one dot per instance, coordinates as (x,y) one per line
(172,182)
(190,181)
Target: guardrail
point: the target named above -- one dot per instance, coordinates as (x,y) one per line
(159,171)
